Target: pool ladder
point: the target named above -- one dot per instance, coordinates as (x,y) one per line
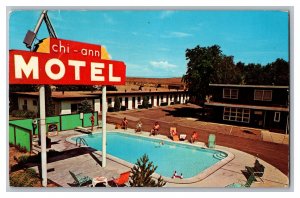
(220,156)
(80,141)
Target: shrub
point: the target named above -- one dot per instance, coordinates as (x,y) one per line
(23,113)
(140,106)
(164,104)
(20,148)
(23,159)
(123,108)
(24,178)
(145,102)
(110,109)
(172,103)
(142,174)
(117,105)
(85,106)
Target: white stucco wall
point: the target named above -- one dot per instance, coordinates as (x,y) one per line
(129,102)
(30,106)
(97,105)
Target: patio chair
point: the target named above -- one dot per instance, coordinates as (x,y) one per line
(173,134)
(211,141)
(124,177)
(257,170)
(80,180)
(248,183)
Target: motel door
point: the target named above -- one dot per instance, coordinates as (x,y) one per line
(133,102)
(152,100)
(126,102)
(258,118)
(157,101)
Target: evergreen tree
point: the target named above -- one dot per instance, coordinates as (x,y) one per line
(117,105)
(141,174)
(85,106)
(145,102)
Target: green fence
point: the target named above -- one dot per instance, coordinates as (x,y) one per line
(20,136)
(20,131)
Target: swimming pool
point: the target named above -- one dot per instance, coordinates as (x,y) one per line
(186,159)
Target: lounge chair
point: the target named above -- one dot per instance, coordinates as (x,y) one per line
(211,141)
(83,130)
(124,177)
(248,183)
(258,169)
(173,134)
(80,180)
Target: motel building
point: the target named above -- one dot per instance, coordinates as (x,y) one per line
(259,106)
(68,102)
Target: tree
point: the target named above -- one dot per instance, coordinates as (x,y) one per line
(85,106)
(141,174)
(50,107)
(200,68)
(145,102)
(117,105)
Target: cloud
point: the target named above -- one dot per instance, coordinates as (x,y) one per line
(162,64)
(166,14)
(108,19)
(180,34)
(177,35)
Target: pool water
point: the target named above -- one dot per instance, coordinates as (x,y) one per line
(186,159)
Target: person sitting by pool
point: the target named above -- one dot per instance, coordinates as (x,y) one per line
(138,127)
(175,175)
(194,137)
(124,123)
(155,129)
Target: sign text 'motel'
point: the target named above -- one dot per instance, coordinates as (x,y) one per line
(65,62)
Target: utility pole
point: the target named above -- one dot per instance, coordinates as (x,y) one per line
(104,109)
(29,38)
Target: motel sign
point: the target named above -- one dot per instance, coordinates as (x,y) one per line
(64,62)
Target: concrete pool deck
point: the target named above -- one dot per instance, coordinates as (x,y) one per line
(88,162)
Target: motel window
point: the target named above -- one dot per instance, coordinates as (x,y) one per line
(263,95)
(230,93)
(34,103)
(236,114)
(74,108)
(139,99)
(277,117)
(109,101)
(25,105)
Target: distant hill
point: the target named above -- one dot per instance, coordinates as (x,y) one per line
(162,81)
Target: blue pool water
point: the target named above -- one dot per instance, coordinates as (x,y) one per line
(185,159)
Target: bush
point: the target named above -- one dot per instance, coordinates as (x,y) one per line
(22,149)
(26,178)
(123,108)
(110,109)
(150,105)
(172,103)
(23,159)
(142,174)
(145,102)
(140,106)
(164,104)
(23,113)
(117,105)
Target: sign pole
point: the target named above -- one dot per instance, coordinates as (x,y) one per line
(104,109)
(43,135)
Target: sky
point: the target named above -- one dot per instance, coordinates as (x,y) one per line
(152,43)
